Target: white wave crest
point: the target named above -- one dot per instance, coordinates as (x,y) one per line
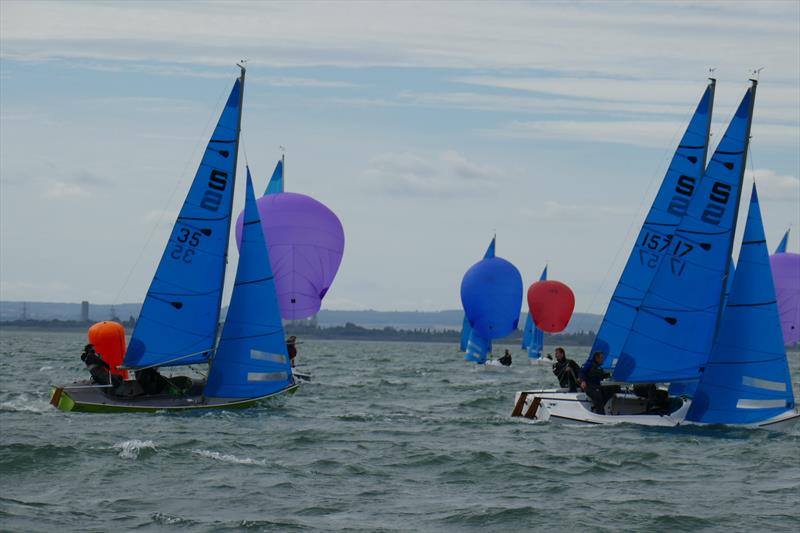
(229,458)
(130,449)
(24,403)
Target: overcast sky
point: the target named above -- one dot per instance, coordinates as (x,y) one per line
(427,127)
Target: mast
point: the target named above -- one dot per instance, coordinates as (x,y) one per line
(233,189)
(738,201)
(283,171)
(712,85)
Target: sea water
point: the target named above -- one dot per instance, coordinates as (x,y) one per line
(387,437)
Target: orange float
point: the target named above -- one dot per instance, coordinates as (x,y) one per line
(109,341)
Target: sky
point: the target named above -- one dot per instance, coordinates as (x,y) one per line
(426,126)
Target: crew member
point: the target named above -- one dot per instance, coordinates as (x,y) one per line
(99,369)
(592,374)
(291,347)
(506,359)
(566,370)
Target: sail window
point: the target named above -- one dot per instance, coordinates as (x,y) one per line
(267,376)
(266,356)
(759,383)
(759,404)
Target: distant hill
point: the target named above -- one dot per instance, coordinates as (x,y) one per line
(448,319)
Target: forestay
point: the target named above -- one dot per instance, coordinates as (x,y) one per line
(746,378)
(179,316)
(251,359)
(675,323)
(667,210)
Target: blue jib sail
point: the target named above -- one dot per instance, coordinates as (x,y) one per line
(669,207)
(533,337)
(466,329)
(251,359)
(676,321)
(275,184)
(781,249)
(178,321)
(746,378)
(478,348)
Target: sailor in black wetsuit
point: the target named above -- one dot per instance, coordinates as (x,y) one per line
(592,374)
(566,370)
(506,359)
(99,369)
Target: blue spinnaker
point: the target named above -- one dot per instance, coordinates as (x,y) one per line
(491,293)
(251,359)
(668,208)
(676,322)
(275,184)
(533,337)
(746,378)
(178,321)
(781,249)
(466,329)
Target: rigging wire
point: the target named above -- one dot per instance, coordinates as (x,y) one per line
(201,142)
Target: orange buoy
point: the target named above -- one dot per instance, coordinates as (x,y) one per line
(109,341)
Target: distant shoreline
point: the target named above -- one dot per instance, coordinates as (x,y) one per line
(349,331)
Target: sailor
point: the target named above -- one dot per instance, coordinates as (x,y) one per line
(566,370)
(291,347)
(99,369)
(150,380)
(592,374)
(506,359)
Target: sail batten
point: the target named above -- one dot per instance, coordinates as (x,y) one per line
(180,312)
(657,235)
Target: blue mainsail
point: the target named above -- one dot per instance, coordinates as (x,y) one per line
(533,337)
(781,249)
(669,207)
(466,329)
(676,321)
(275,184)
(251,359)
(178,321)
(746,378)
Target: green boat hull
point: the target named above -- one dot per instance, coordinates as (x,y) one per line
(83,399)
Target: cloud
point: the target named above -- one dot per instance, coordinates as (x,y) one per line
(647,133)
(449,173)
(603,37)
(80,184)
(555,210)
(778,187)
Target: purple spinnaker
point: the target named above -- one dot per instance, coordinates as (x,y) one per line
(306,243)
(786,275)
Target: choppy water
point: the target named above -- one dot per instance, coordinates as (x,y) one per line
(389,437)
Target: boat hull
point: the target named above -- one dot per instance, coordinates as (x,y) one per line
(83,398)
(560,406)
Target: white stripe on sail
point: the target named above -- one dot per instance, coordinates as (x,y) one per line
(759,404)
(266,356)
(759,383)
(267,376)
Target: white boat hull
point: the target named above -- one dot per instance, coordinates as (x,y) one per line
(561,406)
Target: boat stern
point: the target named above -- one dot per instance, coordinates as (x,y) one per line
(60,399)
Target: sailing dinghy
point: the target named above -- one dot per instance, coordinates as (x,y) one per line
(666,322)
(180,314)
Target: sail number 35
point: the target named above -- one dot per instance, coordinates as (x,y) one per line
(185,247)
